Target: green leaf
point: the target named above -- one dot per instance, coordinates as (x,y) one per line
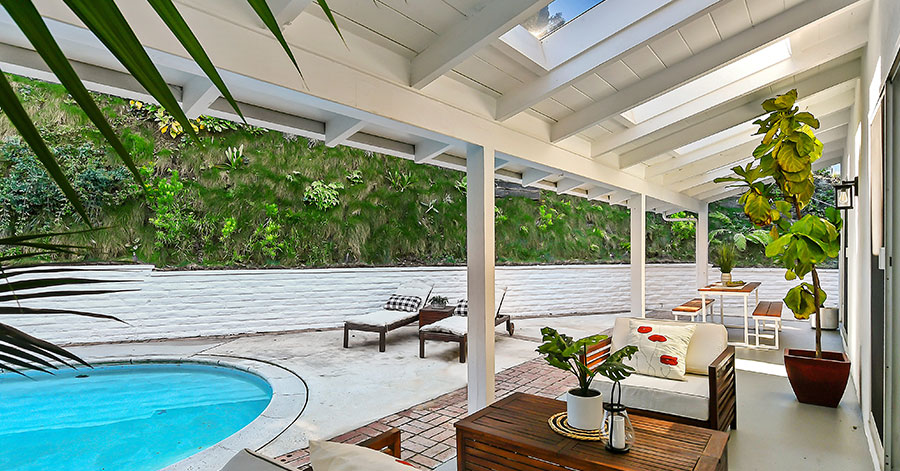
(807,119)
(10,105)
(265,14)
(789,160)
(32,25)
(786,101)
(758,209)
(740,241)
(105,20)
(778,245)
(173,19)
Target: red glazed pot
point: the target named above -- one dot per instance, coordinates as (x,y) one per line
(817,381)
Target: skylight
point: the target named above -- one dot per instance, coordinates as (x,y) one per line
(555,15)
(696,89)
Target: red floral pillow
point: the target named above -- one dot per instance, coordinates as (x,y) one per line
(662,348)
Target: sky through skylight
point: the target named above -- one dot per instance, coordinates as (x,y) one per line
(556,15)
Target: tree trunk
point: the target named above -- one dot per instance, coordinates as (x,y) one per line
(816,288)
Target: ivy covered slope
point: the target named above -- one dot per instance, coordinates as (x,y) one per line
(247,197)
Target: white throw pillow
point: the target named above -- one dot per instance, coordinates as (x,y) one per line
(662,349)
(331,456)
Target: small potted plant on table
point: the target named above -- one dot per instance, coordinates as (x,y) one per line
(724,257)
(584,405)
(438,301)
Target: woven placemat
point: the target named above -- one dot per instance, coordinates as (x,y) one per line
(559,423)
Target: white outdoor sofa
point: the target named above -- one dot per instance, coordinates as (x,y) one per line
(708,396)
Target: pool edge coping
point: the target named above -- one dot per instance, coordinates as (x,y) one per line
(289,398)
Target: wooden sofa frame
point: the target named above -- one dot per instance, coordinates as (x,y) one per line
(722,389)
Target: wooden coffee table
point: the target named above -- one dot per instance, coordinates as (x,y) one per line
(513,434)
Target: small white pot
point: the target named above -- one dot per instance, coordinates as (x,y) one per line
(585,413)
(830,318)
(726,277)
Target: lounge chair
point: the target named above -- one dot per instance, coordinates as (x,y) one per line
(455,329)
(248,460)
(384,320)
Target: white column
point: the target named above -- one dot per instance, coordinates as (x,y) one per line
(480,275)
(702,245)
(638,206)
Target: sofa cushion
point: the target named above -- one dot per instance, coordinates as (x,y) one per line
(330,456)
(662,348)
(688,398)
(708,342)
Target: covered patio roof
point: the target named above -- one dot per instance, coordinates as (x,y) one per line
(638,103)
(650,98)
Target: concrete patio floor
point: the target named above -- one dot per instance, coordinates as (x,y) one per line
(352,388)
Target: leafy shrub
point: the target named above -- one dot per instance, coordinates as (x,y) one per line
(321,195)
(355,177)
(172,217)
(400,181)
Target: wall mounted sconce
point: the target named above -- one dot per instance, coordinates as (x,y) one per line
(844,193)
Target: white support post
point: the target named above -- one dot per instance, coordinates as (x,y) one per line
(480,275)
(702,245)
(638,206)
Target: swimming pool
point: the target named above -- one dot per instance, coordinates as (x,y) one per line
(139,417)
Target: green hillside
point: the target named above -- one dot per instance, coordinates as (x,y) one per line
(248,197)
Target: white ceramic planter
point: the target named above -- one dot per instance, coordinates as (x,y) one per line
(585,413)
(830,318)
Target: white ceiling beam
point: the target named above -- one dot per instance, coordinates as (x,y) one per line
(613,48)
(487,22)
(833,113)
(338,129)
(290,11)
(532,175)
(428,150)
(708,60)
(844,47)
(720,194)
(567,184)
(198,94)
(620,196)
(598,193)
(500,163)
(716,120)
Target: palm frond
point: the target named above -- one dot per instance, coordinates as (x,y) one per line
(173,19)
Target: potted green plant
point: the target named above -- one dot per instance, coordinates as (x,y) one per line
(724,258)
(584,405)
(801,239)
(438,301)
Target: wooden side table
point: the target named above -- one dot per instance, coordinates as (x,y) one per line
(513,434)
(430,314)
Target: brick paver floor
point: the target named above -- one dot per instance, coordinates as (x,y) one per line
(427,434)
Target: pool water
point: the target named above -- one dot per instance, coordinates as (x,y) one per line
(122,418)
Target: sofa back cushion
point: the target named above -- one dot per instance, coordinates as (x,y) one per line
(708,342)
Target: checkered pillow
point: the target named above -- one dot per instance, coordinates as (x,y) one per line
(403,303)
(462,308)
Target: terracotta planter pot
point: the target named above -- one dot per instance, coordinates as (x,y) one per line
(817,381)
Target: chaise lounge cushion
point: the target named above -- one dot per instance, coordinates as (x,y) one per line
(416,288)
(708,342)
(246,460)
(688,398)
(456,325)
(330,456)
(383,317)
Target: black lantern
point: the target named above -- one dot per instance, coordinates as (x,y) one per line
(844,193)
(616,424)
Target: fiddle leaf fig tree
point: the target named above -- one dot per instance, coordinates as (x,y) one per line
(779,187)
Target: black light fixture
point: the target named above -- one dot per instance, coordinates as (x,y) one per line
(844,193)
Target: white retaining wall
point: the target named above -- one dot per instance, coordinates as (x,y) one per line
(173,304)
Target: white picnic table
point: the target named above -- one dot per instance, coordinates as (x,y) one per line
(721,290)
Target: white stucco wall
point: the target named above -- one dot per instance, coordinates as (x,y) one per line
(173,304)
